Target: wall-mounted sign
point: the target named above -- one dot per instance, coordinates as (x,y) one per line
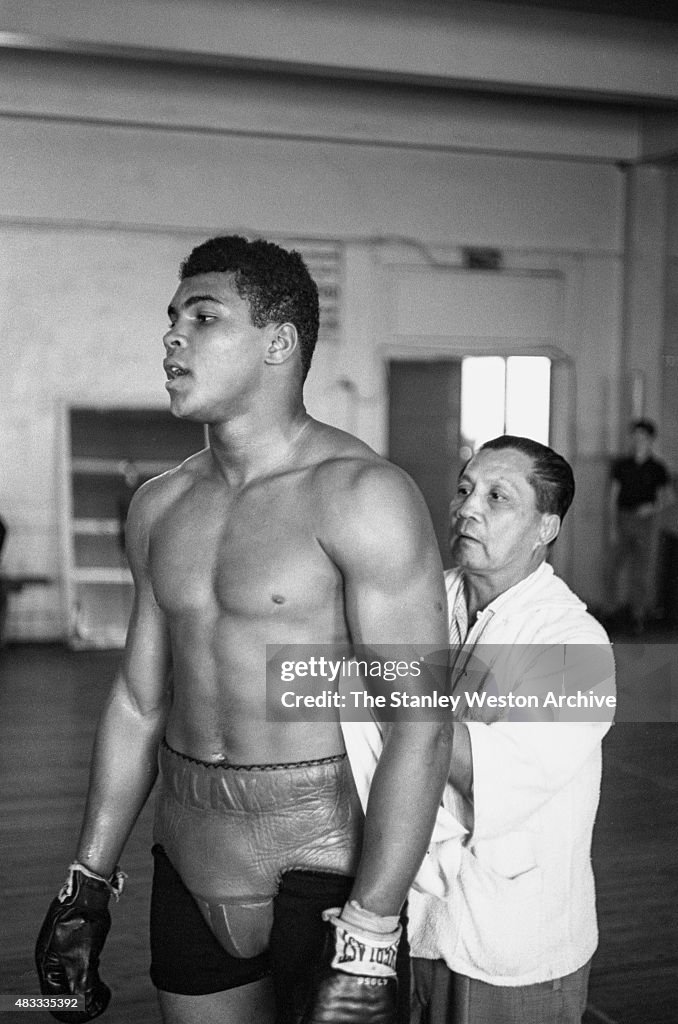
(325,261)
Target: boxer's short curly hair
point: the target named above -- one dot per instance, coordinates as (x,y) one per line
(273,281)
(551,477)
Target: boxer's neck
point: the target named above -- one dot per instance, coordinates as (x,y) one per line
(248,447)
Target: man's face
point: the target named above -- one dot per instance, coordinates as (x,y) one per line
(214,355)
(642,443)
(495,527)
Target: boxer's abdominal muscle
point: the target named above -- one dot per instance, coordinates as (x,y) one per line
(233,577)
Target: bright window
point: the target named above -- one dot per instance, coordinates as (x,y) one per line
(504,396)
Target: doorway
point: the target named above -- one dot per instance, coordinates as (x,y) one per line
(108,453)
(442,410)
(424,431)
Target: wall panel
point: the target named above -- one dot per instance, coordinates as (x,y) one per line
(95,218)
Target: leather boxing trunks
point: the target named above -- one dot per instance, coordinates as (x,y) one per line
(231,832)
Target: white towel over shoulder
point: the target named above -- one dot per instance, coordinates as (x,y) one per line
(364,744)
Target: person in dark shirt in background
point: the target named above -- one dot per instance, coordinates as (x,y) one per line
(3,587)
(639,486)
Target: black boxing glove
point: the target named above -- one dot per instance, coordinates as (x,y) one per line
(356,979)
(71,939)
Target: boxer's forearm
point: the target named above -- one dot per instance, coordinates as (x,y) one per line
(122,773)
(403,803)
(461,765)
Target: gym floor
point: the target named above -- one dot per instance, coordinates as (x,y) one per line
(49,702)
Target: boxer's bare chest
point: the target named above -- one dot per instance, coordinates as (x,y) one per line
(248,554)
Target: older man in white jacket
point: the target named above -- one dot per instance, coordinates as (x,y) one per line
(502,919)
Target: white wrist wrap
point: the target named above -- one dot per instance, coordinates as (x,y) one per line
(115,884)
(360,952)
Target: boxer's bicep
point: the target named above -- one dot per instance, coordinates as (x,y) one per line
(387,552)
(396,612)
(145,673)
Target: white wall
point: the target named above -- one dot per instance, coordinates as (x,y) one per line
(669,362)
(109,177)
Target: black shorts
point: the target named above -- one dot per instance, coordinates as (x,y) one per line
(186,958)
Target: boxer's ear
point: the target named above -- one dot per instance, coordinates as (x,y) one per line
(283,343)
(549,528)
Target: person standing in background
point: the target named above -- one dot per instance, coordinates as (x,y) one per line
(638,491)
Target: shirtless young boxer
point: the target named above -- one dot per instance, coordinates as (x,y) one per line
(283,531)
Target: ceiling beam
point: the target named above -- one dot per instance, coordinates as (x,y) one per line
(470,44)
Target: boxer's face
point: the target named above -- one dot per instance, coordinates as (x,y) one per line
(214,357)
(495,526)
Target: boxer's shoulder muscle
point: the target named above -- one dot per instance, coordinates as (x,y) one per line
(363,499)
(151,502)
